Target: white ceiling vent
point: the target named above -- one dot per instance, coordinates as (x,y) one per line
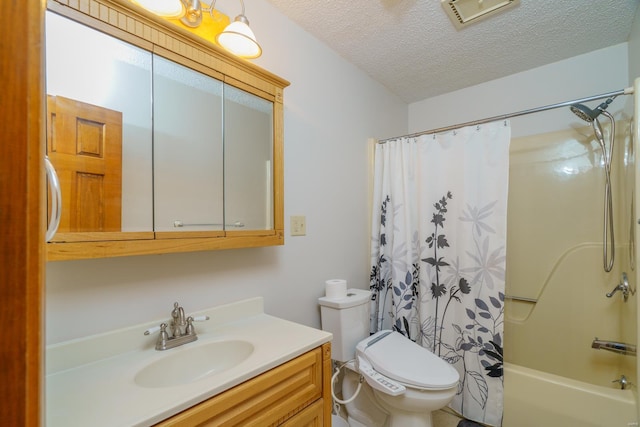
(465,12)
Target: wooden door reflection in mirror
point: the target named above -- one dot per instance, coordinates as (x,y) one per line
(99,130)
(84,141)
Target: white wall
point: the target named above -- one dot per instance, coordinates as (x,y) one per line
(601,71)
(634,49)
(331,108)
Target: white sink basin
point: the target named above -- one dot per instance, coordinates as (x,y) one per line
(184,365)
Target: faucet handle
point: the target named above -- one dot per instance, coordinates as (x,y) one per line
(624,382)
(163,332)
(162,328)
(623,287)
(152,330)
(163,337)
(189,329)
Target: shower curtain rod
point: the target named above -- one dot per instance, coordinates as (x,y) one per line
(627,91)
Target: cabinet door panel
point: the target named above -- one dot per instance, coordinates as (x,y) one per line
(267,400)
(248,160)
(99,130)
(187,147)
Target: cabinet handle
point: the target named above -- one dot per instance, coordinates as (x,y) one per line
(177,223)
(56,200)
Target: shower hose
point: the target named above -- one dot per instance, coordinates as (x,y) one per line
(608,251)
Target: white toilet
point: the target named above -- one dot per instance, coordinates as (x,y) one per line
(405,382)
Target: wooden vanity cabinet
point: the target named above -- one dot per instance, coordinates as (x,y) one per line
(296,393)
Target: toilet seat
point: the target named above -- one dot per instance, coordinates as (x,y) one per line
(393,355)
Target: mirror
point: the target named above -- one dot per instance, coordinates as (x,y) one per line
(248,160)
(187,149)
(213,153)
(159,138)
(99,128)
(211,142)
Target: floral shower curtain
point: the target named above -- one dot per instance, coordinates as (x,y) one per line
(438,253)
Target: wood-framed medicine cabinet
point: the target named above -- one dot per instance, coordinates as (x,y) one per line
(170,144)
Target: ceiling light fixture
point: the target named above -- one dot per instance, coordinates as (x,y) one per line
(236,38)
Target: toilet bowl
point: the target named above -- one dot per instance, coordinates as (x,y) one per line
(427,383)
(404,383)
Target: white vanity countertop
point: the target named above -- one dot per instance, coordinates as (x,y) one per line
(90,382)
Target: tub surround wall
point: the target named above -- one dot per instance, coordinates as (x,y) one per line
(627,178)
(554,256)
(634,110)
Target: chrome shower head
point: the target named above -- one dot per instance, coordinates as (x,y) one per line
(586,113)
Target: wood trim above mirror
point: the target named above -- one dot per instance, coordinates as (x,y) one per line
(132,24)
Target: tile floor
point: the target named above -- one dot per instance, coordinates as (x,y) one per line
(445,419)
(440,419)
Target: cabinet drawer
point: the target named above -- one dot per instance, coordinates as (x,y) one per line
(311,416)
(269,399)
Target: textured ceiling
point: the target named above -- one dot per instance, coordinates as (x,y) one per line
(412,48)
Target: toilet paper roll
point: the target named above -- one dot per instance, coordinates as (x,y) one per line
(335,288)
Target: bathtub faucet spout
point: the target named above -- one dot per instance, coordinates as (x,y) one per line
(616,347)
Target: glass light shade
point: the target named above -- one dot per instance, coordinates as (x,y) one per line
(238,39)
(165,8)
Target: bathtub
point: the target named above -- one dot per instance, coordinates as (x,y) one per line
(539,399)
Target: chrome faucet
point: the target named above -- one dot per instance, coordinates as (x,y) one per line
(623,287)
(182,330)
(178,324)
(614,346)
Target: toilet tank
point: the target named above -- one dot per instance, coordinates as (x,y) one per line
(348,320)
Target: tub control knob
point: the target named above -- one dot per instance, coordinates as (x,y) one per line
(624,382)
(623,287)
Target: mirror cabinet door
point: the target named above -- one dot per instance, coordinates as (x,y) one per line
(187,149)
(99,130)
(248,161)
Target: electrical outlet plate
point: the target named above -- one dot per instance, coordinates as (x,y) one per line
(298,225)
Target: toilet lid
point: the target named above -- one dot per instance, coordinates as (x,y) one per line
(399,358)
